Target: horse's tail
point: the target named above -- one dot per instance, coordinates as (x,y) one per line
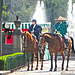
(72,44)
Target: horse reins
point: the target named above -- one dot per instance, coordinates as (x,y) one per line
(27,46)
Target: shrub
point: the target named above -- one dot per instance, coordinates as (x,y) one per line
(13,61)
(3,60)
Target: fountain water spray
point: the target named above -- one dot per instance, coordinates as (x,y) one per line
(39,14)
(69,13)
(74,15)
(71,19)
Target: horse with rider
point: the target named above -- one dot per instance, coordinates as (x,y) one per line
(57,42)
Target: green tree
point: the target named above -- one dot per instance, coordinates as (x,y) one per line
(23,8)
(55,8)
(73,1)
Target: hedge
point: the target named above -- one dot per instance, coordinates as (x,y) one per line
(12,61)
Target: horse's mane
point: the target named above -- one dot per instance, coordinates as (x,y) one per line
(29,36)
(51,34)
(47,35)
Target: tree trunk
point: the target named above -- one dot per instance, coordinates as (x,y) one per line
(1,5)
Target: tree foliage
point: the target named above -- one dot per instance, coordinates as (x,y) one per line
(55,8)
(73,1)
(23,8)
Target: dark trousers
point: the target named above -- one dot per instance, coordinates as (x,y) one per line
(37,37)
(66,42)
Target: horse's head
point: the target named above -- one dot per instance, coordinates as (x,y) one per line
(24,38)
(22,33)
(41,39)
(41,42)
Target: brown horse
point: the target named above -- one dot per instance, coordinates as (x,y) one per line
(56,45)
(30,46)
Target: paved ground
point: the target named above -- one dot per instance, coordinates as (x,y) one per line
(71,71)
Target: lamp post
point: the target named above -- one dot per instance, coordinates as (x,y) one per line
(17,22)
(16,36)
(1,5)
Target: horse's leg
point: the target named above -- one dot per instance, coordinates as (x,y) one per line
(32,61)
(55,62)
(51,54)
(37,61)
(63,55)
(28,62)
(68,55)
(42,60)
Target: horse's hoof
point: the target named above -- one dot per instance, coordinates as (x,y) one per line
(27,69)
(66,69)
(55,69)
(50,70)
(41,68)
(31,69)
(62,69)
(36,68)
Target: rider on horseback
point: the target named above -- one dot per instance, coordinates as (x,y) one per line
(61,27)
(35,29)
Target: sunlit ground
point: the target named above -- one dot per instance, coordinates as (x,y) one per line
(46,68)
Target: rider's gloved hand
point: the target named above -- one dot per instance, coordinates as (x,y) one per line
(55,29)
(32,32)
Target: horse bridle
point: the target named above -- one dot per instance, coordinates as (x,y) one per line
(25,42)
(43,44)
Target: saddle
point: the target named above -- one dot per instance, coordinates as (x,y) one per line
(34,37)
(36,41)
(61,38)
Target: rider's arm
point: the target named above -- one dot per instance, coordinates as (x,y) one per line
(39,29)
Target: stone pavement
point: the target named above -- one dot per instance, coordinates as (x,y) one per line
(45,71)
(4,72)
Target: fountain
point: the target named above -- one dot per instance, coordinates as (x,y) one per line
(69,13)
(39,14)
(74,15)
(71,19)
